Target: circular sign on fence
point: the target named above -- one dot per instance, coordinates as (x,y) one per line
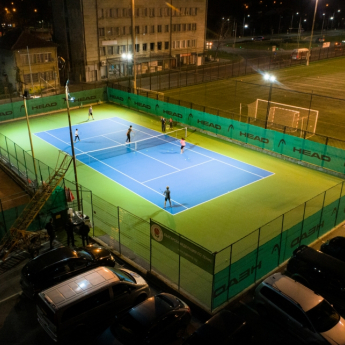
(157,232)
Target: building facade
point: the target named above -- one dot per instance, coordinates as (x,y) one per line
(104,39)
(28,62)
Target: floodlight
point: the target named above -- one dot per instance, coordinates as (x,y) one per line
(272,78)
(266,76)
(124,56)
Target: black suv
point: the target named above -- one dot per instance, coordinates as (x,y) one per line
(320,272)
(60,264)
(335,247)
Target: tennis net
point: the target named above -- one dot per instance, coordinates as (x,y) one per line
(113,151)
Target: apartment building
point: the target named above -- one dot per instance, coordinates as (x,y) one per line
(28,62)
(104,39)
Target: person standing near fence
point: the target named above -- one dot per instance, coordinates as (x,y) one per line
(167,196)
(163,123)
(84,230)
(51,232)
(76,135)
(90,113)
(129,134)
(183,144)
(69,231)
(171,123)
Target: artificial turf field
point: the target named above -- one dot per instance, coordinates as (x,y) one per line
(213,224)
(320,86)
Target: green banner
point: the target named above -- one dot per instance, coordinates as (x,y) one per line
(182,246)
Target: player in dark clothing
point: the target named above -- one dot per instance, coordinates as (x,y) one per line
(129,134)
(167,196)
(84,231)
(51,232)
(163,123)
(69,231)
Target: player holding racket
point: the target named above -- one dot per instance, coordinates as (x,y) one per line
(129,134)
(183,144)
(167,196)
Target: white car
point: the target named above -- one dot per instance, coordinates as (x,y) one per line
(301,311)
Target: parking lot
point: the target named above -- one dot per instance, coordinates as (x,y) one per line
(19,325)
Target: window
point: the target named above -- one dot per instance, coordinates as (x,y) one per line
(160,12)
(187,11)
(182,11)
(166,28)
(111,13)
(193,43)
(124,12)
(188,43)
(106,12)
(177,45)
(137,48)
(24,59)
(137,12)
(144,47)
(130,30)
(124,30)
(130,48)
(117,49)
(159,28)
(119,289)
(152,46)
(102,51)
(41,58)
(110,50)
(117,31)
(174,27)
(189,27)
(100,13)
(137,31)
(101,31)
(144,12)
(159,45)
(152,12)
(167,11)
(123,49)
(183,44)
(184,26)
(194,26)
(152,29)
(166,45)
(144,29)
(173,44)
(118,13)
(109,31)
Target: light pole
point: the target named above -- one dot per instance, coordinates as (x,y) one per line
(312,31)
(30,138)
(271,79)
(323,22)
(68,98)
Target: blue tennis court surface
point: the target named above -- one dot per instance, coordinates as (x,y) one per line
(147,167)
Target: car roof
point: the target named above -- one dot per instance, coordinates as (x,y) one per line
(313,257)
(305,297)
(339,240)
(220,326)
(153,308)
(47,259)
(75,288)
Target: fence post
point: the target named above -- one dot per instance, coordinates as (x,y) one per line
(3,216)
(323,205)
(93,221)
(212,289)
(281,240)
(179,263)
(229,274)
(257,254)
(119,227)
(311,101)
(300,237)
(150,250)
(341,192)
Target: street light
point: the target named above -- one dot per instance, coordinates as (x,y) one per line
(312,31)
(271,79)
(72,99)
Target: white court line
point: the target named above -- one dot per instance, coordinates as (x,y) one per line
(130,178)
(174,172)
(138,151)
(138,129)
(109,178)
(16,294)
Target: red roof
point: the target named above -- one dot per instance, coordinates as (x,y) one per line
(16,40)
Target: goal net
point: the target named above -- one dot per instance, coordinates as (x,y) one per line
(285,117)
(150,93)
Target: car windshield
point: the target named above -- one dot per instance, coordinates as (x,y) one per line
(127,330)
(323,316)
(85,255)
(124,276)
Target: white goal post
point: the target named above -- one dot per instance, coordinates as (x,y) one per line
(150,93)
(284,116)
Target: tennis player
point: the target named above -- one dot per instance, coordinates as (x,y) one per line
(129,134)
(183,144)
(90,113)
(167,196)
(76,135)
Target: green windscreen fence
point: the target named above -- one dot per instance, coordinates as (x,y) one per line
(321,155)
(244,262)
(48,104)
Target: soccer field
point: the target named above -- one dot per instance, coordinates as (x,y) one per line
(320,86)
(213,223)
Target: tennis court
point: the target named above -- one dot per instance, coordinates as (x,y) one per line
(153,161)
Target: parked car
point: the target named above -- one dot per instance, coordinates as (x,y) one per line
(335,247)
(299,310)
(155,321)
(87,302)
(224,328)
(299,54)
(320,272)
(60,264)
(258,38)
(338,46)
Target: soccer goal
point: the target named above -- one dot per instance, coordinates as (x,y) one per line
(150,93)
(285,117)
